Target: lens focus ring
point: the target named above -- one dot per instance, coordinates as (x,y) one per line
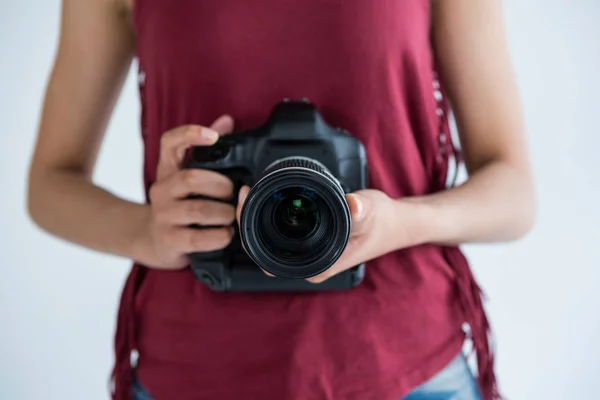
(299,162)
(295,222)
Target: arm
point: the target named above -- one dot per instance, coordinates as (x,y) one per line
(95,52)
(497,202)
(94,55)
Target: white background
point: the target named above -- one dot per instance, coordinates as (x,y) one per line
(58,302)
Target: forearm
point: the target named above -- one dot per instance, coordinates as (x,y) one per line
(496,204)
(67,205)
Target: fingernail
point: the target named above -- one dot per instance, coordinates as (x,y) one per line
(359,205)
(210,134)
(267,273)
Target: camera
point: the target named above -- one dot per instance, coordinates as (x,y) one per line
(295,222)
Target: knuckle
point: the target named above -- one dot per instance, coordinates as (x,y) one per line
(190,177)
(195,208)
(210,240)
(195,240)
(190,131)
(231,214)
(192,241)
(226,186)
(225,212)
(166,139)
(210,212)
(222,237)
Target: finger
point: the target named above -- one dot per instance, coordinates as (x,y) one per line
(331,272)
(315,280)
(241,199)
(174,144)
(322,277)
(359,210)
(270,275)
(223,125)
(187,240)
(350,257)
(202,212)
(196,182)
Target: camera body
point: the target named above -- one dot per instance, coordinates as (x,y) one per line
(298,141)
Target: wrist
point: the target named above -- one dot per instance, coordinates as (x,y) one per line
(140,240)
(420,222)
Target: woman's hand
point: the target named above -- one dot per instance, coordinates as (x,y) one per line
(375,231)
(165,237)
(379,225)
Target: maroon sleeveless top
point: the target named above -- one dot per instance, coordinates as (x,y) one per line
(369,68)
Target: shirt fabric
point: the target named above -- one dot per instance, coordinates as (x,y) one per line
(368,66)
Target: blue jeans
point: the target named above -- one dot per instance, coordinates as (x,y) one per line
(454,382)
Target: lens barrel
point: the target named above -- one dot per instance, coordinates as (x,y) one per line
(295,222)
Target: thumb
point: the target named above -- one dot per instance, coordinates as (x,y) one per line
(243,194)
(241,199)
(359,206)
(223,125)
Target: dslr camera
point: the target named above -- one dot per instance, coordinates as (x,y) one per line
(295,222)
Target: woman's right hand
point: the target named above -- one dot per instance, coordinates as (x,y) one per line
(166,238)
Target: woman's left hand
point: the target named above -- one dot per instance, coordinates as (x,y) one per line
(375,229)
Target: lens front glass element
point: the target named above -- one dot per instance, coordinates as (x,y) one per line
(296,214)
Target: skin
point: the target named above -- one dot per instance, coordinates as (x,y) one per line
(497,203)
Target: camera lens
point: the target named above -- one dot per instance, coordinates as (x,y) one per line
(296,215)
(295,222)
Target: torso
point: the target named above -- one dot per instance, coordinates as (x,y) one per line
(369,68)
